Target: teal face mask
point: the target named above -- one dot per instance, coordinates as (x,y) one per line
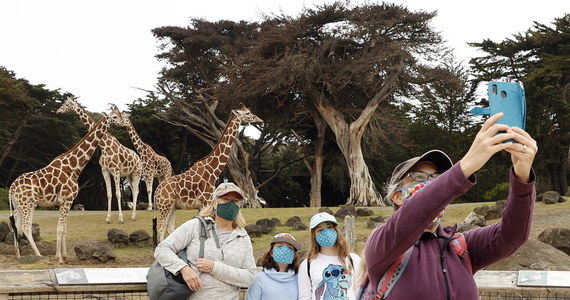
(283,254)
(228,211)
(327,237)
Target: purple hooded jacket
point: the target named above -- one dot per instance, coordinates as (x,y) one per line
(434,270)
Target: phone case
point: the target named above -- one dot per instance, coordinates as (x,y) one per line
(508,98)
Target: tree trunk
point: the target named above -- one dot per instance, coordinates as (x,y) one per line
(13,140)
(317,168)
(363,192)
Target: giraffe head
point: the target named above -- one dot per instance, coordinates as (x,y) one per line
(115,117)
(70,104)
(245,116)
(124,117)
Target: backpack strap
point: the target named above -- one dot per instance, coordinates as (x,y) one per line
(394,273)
(459,245)
(206,227)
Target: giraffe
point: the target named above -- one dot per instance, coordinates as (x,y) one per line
(116,161)
(153,165)
(193,188)
(55,184)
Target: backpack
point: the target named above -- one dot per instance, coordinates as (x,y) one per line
(395,271)
(162,284)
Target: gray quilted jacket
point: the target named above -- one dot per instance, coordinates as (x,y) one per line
(234,265)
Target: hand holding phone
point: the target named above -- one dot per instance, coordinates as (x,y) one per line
(508,98)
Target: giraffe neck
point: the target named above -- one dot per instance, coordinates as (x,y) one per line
(221,152)
(85,117)
(77,157)
(141,146)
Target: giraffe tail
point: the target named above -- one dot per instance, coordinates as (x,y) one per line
(154,233)
(13,221)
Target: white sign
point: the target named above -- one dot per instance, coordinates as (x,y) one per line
(100,275)
(544,278)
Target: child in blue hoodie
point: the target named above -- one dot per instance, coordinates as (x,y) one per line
(280,263)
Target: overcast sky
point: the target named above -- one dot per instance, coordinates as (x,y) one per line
(103,51)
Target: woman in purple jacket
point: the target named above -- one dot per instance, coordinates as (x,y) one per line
(420,189)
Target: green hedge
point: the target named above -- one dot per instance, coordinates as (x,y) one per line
(4,199)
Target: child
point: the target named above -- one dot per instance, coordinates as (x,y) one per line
(280,265)
(329,268)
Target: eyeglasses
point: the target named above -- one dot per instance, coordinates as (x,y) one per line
(420,176)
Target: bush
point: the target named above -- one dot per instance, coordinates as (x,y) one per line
(4,199)
(499,192)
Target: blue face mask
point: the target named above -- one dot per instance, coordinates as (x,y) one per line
(283,254)
(327,237)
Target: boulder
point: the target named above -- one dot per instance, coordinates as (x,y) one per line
(551,197)
(326,209)
(481,210)
(300,226)
(140,238)
(556,237)
(292,221)
(364,212)
(30,259)
(4,231)
(275,222)
(118,237)
(266,225)
(79,207)
(254,230)
(472,221)
(534,255)
(375,222)
(104,253)
(495,212)
(84,252)
(142,206)
(345,210)
(9,238)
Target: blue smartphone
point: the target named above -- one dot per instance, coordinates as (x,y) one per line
(508,98)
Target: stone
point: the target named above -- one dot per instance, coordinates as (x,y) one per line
(84,252)
(494,212)
(254,230)
(30,259)
(293,220)
(140,238)
(364,212)
(266,225)
(300,226)
(375,222)
(79,207)
(556,237)
(4,231)
(326,209)
(104,253)
(345,210)
(117,237)
(142,206)
(472,221)
(550,197)
(275,222)
(481,210)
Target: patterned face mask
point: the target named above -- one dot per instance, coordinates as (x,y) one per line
(228,211)
(283,254)
(409,190)
(327,237)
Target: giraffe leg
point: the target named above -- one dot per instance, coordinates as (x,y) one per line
(134,183)
(107,178)
(117,179)
(164,216)
(27,229)
(172,220)
(61,251)
(149,180)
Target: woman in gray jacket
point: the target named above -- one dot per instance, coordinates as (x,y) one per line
(228,262)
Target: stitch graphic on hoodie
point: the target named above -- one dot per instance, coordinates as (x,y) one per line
(335,284)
